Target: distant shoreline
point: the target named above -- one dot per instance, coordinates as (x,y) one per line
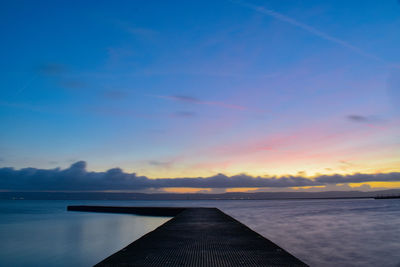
(382,194)
(386,197)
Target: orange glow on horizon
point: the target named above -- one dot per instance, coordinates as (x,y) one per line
(185,190)
(309,151)
(307,187)
(388,185)
(241,189)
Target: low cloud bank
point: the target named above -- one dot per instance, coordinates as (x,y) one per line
(77,178)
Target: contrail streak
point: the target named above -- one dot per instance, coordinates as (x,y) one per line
(310,29)
(27,84)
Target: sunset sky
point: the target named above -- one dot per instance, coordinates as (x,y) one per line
(181,89)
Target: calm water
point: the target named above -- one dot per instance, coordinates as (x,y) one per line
(43,233)
(320,232)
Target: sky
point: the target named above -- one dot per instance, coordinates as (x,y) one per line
(200,89)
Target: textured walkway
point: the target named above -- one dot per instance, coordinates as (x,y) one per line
(201,237)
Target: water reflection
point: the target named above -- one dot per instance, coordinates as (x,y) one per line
(54,237)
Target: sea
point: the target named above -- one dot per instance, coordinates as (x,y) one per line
(335,232)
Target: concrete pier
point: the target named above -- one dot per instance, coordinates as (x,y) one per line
(197,237)
(146,211)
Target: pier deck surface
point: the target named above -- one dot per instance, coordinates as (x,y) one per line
(200,237)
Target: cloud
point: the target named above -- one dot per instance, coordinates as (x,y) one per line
(370,121)
(115,94)
(52,69)
(358,178)
(181,98)
(72,84)
(120,112)
(346,162)
(77,178)
(357,118)
(141,32)
(193,100)
(184,114)
(22,106)
(160,163)
(393,89)
(184,98)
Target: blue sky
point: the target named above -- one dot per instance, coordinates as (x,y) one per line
(196,88)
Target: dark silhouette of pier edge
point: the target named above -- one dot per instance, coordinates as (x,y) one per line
(195,237)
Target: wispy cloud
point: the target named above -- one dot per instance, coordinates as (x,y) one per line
(393,88)
(358,118)
(141,32)
(52,69)
(193,100)
(184,114)
(163,164)
(114,94)
(72,84)
(182,98)
(48,69)
(137,31)
(23,106)
(370,121)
